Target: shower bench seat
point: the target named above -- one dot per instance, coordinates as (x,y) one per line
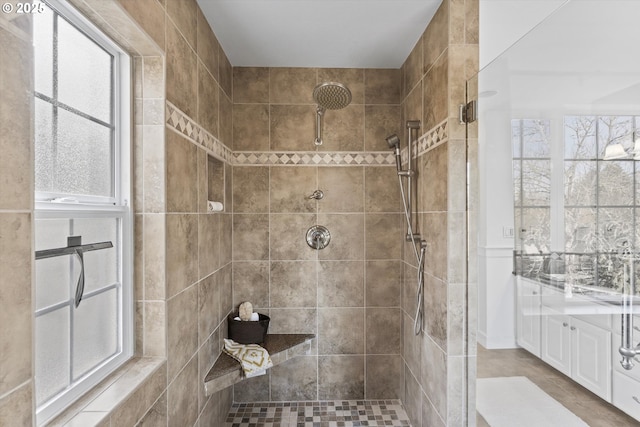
(226,371)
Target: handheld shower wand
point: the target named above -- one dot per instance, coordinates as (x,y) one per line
(394,143)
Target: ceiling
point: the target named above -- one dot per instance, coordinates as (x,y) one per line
(318,33)
(581,58)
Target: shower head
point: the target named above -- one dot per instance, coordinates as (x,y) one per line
(329,96)
(393,141)
(332,95)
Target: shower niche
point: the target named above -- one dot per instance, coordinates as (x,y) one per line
(215,184)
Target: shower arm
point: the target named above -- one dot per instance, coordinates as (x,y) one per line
(319,115)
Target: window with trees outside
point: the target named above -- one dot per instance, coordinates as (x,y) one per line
(83,232)
(597,180)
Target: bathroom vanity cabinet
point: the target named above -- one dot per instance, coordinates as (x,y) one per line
(579,336)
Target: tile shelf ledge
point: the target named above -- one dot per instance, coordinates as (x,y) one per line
(226,371)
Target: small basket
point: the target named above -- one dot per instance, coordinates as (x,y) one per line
(248,332)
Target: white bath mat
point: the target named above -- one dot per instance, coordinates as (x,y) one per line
(516,401)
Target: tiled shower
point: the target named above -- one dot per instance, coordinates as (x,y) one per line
(244,136)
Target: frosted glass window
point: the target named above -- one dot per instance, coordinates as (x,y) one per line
(43,49)
(95,333)
(84,73)
(74,112)
(82,175)
(84,162)
(52,354)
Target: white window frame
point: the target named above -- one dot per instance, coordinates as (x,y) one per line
(64,206)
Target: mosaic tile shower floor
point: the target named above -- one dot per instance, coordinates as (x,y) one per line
(332,413)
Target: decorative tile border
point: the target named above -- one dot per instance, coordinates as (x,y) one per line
(183,124)
(314,158)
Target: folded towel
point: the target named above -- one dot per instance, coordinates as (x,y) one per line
(255,360)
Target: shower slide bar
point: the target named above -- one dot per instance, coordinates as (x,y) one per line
(74,246)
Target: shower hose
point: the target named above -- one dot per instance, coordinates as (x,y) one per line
(418,323)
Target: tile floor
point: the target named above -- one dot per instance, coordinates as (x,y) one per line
(518,362)
(333,413)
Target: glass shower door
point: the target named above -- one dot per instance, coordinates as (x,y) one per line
(559,172)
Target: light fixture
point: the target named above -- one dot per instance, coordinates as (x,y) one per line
(614,152)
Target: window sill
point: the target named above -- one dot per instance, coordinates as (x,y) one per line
(226,371)
(121,399)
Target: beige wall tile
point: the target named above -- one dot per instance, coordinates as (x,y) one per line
(225,119)
(413,68)
(182,195)
(153,81)
(251,283)
(209,307)
(433,185)
(153,164)
(182,79)
(384,376)
(292,85)
(208,243)
(250,237)
(382,86)
(207,46)
(253,389)
(436,36)
(16,408)
(15,294)
(182,329)
(155,325)
(250,85)
(341,331)
(341,284)
(381,121)
(157,415)
(340,377)
(383,331)
(435,309)
(292,127)
(296,380)
(149,15)
(414,398)
(226,73)
(434,375)
(182,396)
(382,190)
(287,236)
(436,93)
(184,14)
(383,236)
(343,189)
(181,252)
(343,130)
(290,188)
(251,189)
(251,127)
(293,284)
(383,283)
(207,100)
(293,321)
(347,236)
(154,256)
(16,142)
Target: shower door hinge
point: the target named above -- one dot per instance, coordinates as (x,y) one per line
(468,113)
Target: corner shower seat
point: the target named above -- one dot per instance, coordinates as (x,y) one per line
(226,371)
